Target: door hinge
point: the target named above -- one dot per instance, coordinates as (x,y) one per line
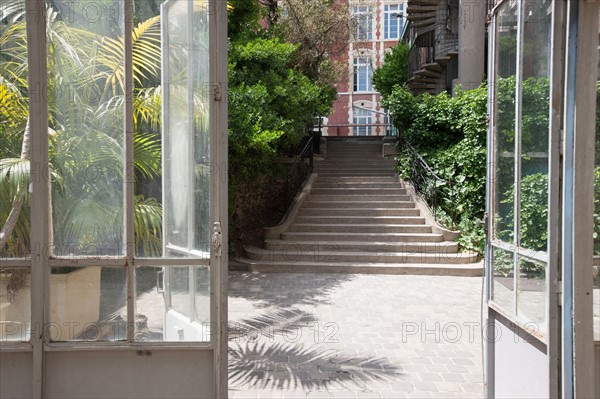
(217,239)
(559,292)
(217,92)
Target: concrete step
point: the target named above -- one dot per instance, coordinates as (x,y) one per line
(359,212)
(357,185)
(313,203)
(327,247)
(357,191)
(273,255)
(355,219)
(358,179)
(381,162)
(361,197)
(357,174)
(359,228)
(365,237)
(435,269)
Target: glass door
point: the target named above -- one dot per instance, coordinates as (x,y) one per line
(522,191)
(113,279)
(186,168)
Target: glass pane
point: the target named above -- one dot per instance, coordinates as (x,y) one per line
(179,290)
(531,296)
(150,304)
(147,130)
(86,107)
(165,309)
(15,304)
(14,150)
(88,304)
(202,296)
(533,218)
(187,167)
(504,278)
(504,145)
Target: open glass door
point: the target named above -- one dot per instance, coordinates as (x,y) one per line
(522,200)
(186,168)
(121,252)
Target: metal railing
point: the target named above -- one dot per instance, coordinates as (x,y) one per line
(285,186)
(427,49)
(437,192)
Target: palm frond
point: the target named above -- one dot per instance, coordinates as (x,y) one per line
(145,52)
(12,11)
(147,154)
(148,226)
(14,175)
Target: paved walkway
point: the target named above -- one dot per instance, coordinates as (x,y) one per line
(354,336)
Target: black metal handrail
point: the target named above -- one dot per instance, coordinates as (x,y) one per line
(287,183)
(437,192)
(298,172)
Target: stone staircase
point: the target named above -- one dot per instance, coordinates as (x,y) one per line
(359,218)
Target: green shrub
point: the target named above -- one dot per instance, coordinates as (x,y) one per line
(450,134)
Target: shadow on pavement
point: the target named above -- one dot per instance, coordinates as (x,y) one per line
(307,289)
(265,352)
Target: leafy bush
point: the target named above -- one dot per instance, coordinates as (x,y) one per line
(533,225)
(270,106)
(450,134)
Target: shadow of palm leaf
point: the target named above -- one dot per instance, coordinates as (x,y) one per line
(264,352)
(313,291)
(270,324)
(286,365)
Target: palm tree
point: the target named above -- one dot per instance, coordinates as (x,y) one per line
(79,132)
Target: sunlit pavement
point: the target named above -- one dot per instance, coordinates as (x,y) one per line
(354,336)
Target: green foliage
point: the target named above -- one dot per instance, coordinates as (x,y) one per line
(79,133)
(394,70)
(242,19)
(450,134)
(271,104)
(534,114)
(427,122)
(533,225)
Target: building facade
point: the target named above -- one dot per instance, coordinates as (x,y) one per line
(377,26)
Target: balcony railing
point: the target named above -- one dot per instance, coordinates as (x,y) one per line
(426,49)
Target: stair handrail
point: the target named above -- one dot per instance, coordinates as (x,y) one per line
(298,172)
(428,185)
(285,188)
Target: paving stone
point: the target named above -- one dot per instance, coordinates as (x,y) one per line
(449,387)
(453,368)
(453,377)
(425,386)
(472,387)
(430,377)
(463,361)
(319,395)
(419,394)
